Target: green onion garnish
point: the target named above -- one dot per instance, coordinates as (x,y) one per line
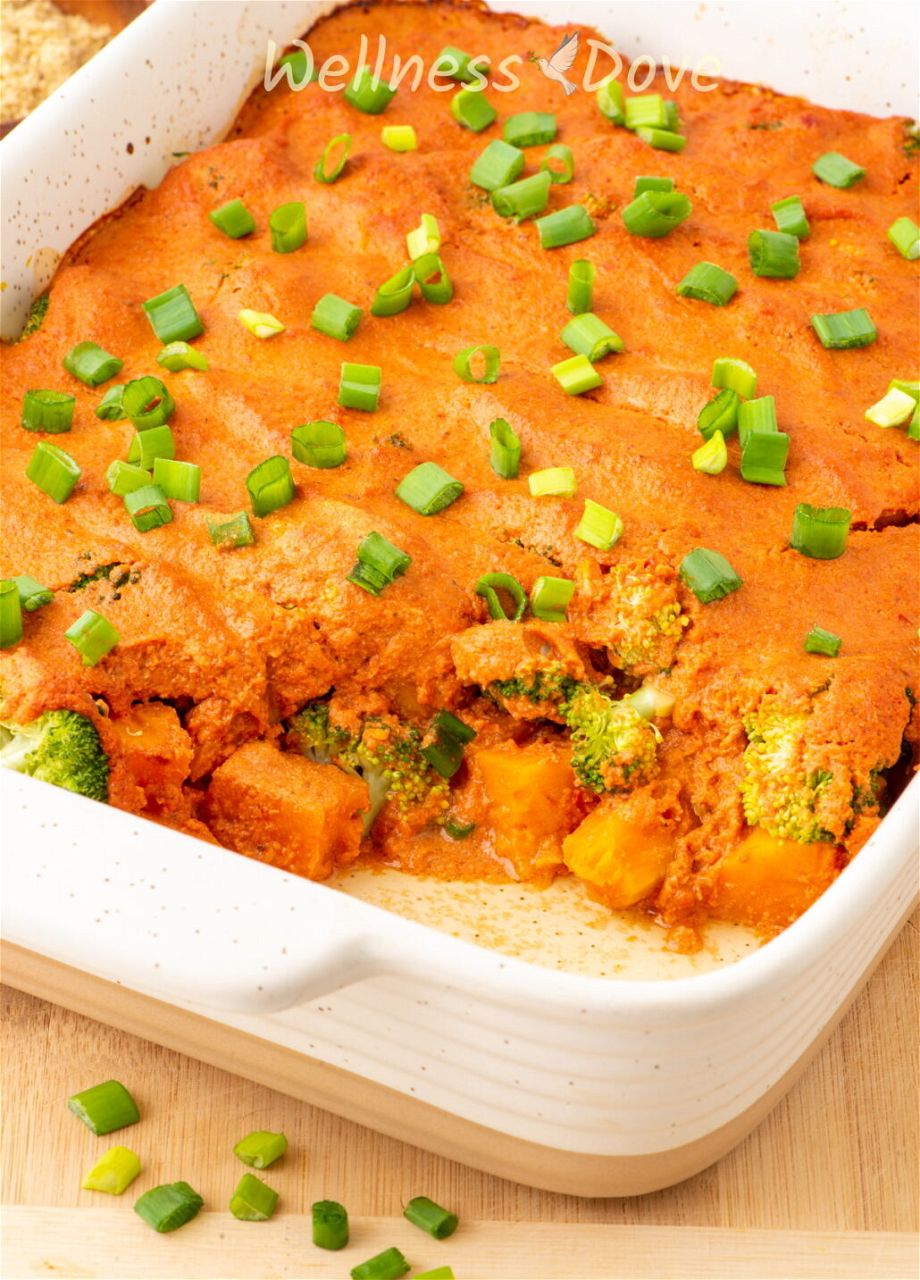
(652,703)
(176,356)
(32,595)
(288,226)
(303,73)
(646,111)
(505,449)
(911,389)
(425,238)
(88,362)
(261,1148)
(913,427)
(109,407)
(169,1207)
(50,411)
(576,375)
(652,184)
(147,446)
(389,1265)
(53,470)
(763,457)
(457,65)
(610,102)
(395,294)
(428,489)
(556,482)
(369,94)
(530,129)
(457,831)
(712,456)
(449,735)
(319,444)
(270,485)
(105,1107)
(789,215)
(433,281)
(253,1200)
(599,527)
(728,372)
(260,323)
(125,477)
(359,386)
(904,234)
(10,614)
(720,414)
(820,532)
(559,163)
(487,361)
(497,166)
(399,137)
(580,296)
(114,1173)
(773,255)
(524,198)
(439,1273)
(178,480)
(836,170)
(893,410)
(172,315)
(235,532)
(379,564)
(708,575)
(489,586)
(424,1213)
(844,329)
(708,283)
(825,642)
(662,139)
(148,508)
(335,317)
(654,214)
(549,598)
(756,415)
(332,162)
(588,335)
(330,1224)
(233,219)
(472,109)
(565,226)
(147,402)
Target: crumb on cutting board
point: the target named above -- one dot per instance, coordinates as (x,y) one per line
(41,47)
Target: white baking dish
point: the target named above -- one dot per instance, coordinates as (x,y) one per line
(567,1081)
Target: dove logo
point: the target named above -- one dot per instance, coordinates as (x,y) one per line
(554,68)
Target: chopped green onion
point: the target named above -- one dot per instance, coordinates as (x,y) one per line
(672,116)
(841,330)
(576,375)
(763,457)
(260,324)
(720,414)
(270,485)
(172,315)
(147,402)
(253,1200)
(563,155)
(147,446)
(125,477)
(179,355)
(109,407)
(911,389)
(395,294)
(428,489)
(904,234)
(178,480)
(148,508)
(450,735)
(88,362)
(32,595)
(472,109)
(599,527)
(424,1213)
(836,170)
(233,219)
(433,281)
(389,1265)
(913,427)
(708,283)
(341,143)
(114,1173)
(490,359)
(712,456)
(647,111)
(399,137)
(530,129)
(553,482)
(302,72)
(10,614)
(708,575)
(729,372)
(489,586)
(773,255)
(820,532)
(662,139)
(369,94)
(789,216)
(53,470)
(505,449)
(439,1273)
(359,386)
(261,1148)
(93,637)
(654,214)
(893,410)
(652,184)
(379,564)
(825,642)
(330,1224)
(457,65)
(497,166)
(425,238)
(319,444)
(610,103)
(549,598)
(652,703)
(458,830)
(335,317)
(235,532)
(50,411)
(288,226)
(565,226)
(580,296)
(756,415)
(589,336)
(524,198)
(169,1206)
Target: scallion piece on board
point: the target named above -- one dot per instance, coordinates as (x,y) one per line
(565,226)
(389,1265)
(773,255)
(497,166)
(147,402)
(589,336)
(646,111)
(841,330)
(90,364)
(577,375)
(179,355)
(553,482)
(434,283)
(756,416)
(836,170)
(10,614)
(610,101)
(654,214)
(180,481)
(737,374)
(32,595)
(168,1207)
(379,564)
(253,1200)
(712,456)
(424,1213)
(114,1173)
(763,457)
(708,575)
(425,238)
(54,471)
(472,109)
(233,219)
(789,216)
(109,407)
(490,584)
(331,164)
(708,283)
(893,410)
(662,139)
(93,637)
(270,485)
(50,411)
(559,163)
(478,364)
(125,477)
(599,526)
(445,741)
(369,94)
(652,184)
(359,386)
(549,598)
(395,294)
(820,532)
(172,315)
(399,137)
(146,446)
(524,198)
(530,129)
(335,317)
(319,444)
(505,449)
(234,532)
(148,508)
(439,1273)
(580,296)
(904,234)
(288,226)
(330,1224)
(719,414)
(824,642)
(260,324)
(457,65)
(428,489)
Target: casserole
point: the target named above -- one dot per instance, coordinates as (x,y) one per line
(622,1035)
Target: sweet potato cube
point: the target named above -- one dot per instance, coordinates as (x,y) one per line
(156,749)
(623,861)
(767,882)
(529,794)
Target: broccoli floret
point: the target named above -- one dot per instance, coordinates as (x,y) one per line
(613,746)
(61,747)
(388,756)
(311,733)
(634,613)
(539,694)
